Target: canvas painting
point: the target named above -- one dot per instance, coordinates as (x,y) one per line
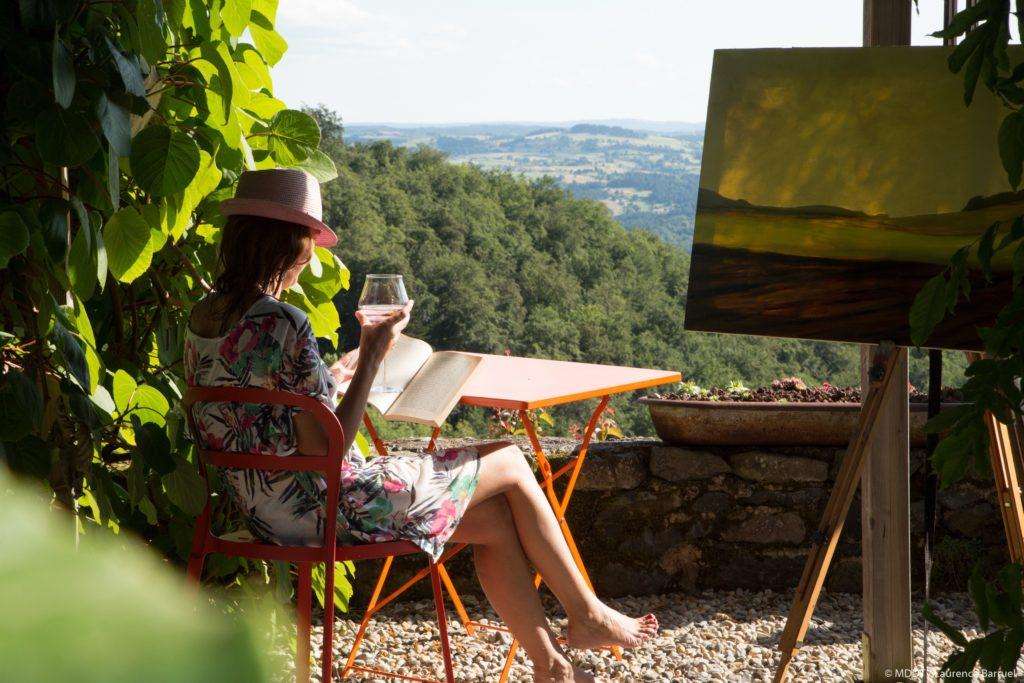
(834,183)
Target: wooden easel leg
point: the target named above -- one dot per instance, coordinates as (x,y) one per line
(1005,446)
(826,537)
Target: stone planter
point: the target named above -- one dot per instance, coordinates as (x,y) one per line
(746,423)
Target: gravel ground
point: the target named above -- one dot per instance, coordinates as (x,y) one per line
(712,636)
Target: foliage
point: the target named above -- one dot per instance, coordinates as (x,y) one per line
(124,123)
(106,611)
(993,381)
(997,604)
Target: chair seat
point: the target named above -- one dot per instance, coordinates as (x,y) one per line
(242,544)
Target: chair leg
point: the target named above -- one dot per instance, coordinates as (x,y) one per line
(197,555)
(305,609)
(442,623)
(370,610)
(327,666)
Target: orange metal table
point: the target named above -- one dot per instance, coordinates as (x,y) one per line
(525,384)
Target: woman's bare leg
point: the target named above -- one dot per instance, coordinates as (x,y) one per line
(504,470)
(508,584)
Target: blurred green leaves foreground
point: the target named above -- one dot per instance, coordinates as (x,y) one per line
(106,612)
(123,125)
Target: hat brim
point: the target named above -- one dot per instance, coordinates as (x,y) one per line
(323,236)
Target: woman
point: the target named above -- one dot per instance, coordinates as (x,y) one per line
(484,495)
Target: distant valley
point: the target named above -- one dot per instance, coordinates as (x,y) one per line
(646,173)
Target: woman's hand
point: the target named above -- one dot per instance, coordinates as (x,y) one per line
(378,333)
(344,368)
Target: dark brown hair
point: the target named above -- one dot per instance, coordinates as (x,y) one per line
(255,253)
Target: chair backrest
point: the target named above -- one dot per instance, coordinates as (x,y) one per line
(329,465)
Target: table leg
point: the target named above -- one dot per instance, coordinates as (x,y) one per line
(374,436)
(559,505)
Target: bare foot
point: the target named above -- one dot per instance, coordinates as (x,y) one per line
(562,672)
(607,628)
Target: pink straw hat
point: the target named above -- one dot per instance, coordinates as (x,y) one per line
(284,194)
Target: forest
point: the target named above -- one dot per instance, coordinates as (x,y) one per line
(499,263)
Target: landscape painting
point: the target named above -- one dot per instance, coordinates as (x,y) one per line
(834,183)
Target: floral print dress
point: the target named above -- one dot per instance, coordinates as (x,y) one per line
(419,498)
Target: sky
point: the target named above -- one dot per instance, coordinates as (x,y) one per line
(460,61)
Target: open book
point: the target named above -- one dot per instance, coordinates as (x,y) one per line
(430,381)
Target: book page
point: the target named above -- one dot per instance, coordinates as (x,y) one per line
(402,363)
(435,390)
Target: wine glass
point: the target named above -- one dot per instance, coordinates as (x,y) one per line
(382,295)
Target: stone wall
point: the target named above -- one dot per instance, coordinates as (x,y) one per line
(651,518)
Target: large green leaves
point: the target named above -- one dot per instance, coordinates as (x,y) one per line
(64,138)
(164,160)
(130,244)
(268,41)
(115,123)
(63,74)
(13,236)
(291,137)
(235,14)
(20,406)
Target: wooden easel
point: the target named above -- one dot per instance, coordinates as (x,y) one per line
(1005,450)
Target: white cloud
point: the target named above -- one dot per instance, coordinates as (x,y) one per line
(320,13)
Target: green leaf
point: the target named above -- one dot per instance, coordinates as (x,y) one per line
(84,328)
(991,651)
(334,277)
(114,178)
(1015,232)
(976,588)
(152,44)
(342,584)
(63,74)
(130,244)
(1011,146)
(64,138)
(320,166)
(21,405)
(947,418)
(153,445)
(217,54)
(291,136)
(938,622)
(963,20)
(235,14)
(268,41)
(1018,265)
(13,236)
(928,309)
(149,405)
(1010,580)
(116,124)
(252,68)
(82,265)
(164,161)
(30,456)
(72,350)
(131,73)
(971,74)
(986,247)
(185,488)
(124,389)
(176,211)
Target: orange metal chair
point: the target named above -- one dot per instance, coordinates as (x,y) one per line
(205,542)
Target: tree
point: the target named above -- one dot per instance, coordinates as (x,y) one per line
(125,123)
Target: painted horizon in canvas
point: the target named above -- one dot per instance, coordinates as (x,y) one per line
(834,183)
